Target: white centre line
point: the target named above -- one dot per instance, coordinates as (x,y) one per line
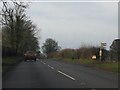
(48,65)
(66,75)
(51,67)
(44,63)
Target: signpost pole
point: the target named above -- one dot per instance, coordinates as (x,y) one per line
(100,52)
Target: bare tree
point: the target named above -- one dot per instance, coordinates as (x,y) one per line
(17,26)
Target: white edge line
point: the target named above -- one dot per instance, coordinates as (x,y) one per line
(66,75)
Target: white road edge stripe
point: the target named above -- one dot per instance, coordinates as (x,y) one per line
(66,75)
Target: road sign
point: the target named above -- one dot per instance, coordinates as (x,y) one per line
(101,47)
(103,44)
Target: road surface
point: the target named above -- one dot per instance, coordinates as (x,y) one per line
(56,74)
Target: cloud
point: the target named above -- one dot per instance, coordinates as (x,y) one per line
(73,23)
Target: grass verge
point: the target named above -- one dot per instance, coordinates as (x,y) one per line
(9,62)
(106,65)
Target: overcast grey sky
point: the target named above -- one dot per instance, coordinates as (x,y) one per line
(73,23)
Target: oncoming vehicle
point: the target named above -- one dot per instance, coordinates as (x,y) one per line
(30,55)
(94,57)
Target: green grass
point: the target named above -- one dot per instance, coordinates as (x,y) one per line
(106,66)
(8,63)
(109,66)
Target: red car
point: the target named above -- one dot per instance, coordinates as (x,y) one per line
(30,55)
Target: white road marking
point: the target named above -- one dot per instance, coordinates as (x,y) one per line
(51,67)
(66,75)
(48,65)
(44,63)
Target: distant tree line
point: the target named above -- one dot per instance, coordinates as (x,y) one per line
(18,31)
(50,48)
(80,53)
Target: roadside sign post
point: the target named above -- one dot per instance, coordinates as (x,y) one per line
(100,52)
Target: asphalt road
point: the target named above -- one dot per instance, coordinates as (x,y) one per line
(56,74)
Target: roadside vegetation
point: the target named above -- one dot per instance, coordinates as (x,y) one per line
(9,62)
(19,33)
(106,66)
(83,55)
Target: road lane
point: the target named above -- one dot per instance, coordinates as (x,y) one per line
(36,75)
(54,74)
(91,77)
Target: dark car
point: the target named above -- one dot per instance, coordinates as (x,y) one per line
(30,55)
